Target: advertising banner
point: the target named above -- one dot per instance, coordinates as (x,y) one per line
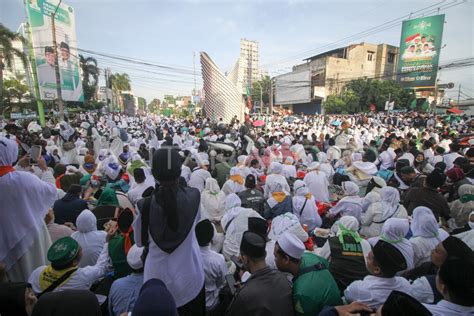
(420,45)
(39,17)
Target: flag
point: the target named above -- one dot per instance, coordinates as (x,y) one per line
(413,104)
(249,99)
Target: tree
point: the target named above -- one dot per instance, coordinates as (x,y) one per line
(120,82)
(378,92)
(264,86)
(344,103)
(90,77)
(141,103)
(154,106)
(8,53)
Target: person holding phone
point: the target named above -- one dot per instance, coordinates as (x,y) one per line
(25,200)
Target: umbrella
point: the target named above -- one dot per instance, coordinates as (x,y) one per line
(258,123)
(455,111)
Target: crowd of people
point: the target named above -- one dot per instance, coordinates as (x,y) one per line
(108,214)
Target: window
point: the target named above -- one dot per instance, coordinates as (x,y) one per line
(391,58)
(370,55)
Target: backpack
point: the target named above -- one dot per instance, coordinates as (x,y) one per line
(385,174)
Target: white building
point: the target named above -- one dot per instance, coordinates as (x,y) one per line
(248,63)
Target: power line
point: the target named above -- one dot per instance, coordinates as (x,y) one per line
(382,27)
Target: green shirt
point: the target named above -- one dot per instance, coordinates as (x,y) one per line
(316,289)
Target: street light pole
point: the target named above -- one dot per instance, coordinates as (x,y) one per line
(56,64)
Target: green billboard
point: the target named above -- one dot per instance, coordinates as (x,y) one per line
(420,45)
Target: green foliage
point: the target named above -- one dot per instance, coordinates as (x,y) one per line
(141,103)
(154,106)
(120,82)
(359,94)
(346,102)
(169,99)
(90,77)
(378,92)
(264,86)
(8,53)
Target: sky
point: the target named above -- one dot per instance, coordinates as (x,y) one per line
(169,32)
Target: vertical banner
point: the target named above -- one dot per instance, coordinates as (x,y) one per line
(420,45)
(39,17)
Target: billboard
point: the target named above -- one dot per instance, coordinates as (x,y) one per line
(293,87)
(39,17)
(420,45)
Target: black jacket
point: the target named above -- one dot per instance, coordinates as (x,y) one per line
(68,208)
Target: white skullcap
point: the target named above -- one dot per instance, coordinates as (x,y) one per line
(275,167)
(291,245)
(134,257)
(204,162)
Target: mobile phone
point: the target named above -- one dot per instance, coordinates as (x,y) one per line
(231,282)
(35,153)
(236,260)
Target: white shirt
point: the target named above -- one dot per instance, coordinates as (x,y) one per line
(449,159)
(214,274)
(422,248)
(445,308)
(198,179)
(386,160)
(186,173)
(81,279)
(135,194)
(317,183)
(374,291)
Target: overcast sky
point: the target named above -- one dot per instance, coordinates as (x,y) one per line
(168,32)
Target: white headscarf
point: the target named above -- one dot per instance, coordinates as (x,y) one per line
(394,231)
(349,222)
(350,188)
(300,188)
(8,151)
(287,222)
(275,168)
(390,202)
(212,200)
(322,157)
(66,130)
(370,198)
(89,238)
(424,224)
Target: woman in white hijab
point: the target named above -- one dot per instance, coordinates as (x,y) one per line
(462,207)
(235,183)
(378,213)
(394,231)
(350,204)
(426,234)
(369,199)
(89,238)
(24,237)
(349,224)
(304,206)
(212,201)
(235,223)
(325,166)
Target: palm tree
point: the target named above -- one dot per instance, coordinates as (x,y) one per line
(8,53)
(90,76)
(119,82)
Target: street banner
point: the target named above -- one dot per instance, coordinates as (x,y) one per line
(39,17)
(420,45)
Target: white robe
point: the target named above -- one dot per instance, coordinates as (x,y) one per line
(89,238)
(317,183)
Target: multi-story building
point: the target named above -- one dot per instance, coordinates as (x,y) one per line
(332,70)
(248,63)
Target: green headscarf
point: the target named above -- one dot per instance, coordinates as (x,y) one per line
(347,232)
(134,165)
(466,198)
(108,197)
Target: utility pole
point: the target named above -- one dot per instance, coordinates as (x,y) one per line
(271,96)
(459,94)
(194,73)
(56,64)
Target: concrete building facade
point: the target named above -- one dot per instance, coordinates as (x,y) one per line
(332,70)
(249,63)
